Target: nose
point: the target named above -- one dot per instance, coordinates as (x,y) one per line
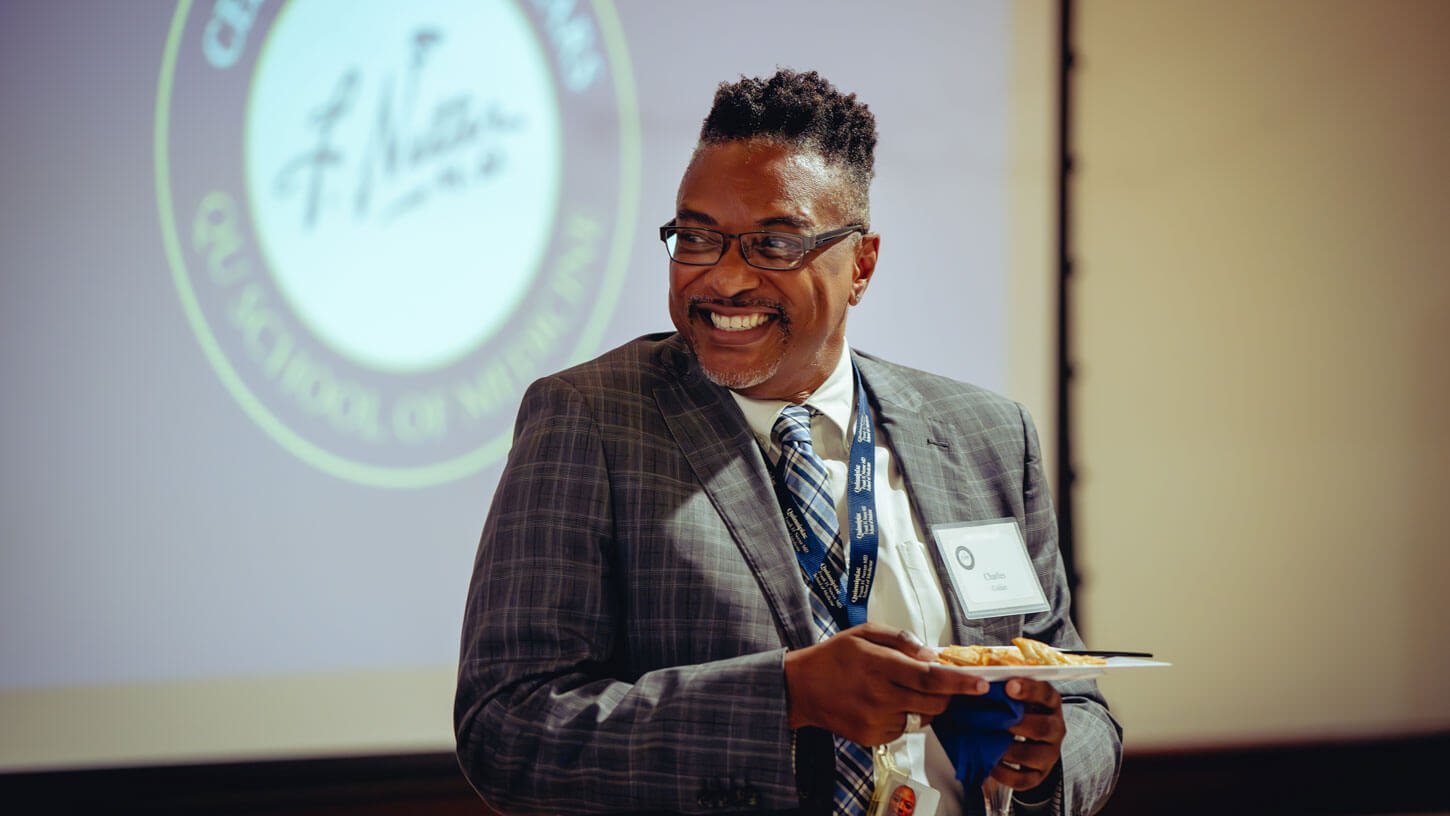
(731,275)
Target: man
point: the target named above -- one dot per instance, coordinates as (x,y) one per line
(903,801)
(640,633)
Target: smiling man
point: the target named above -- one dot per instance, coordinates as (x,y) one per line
(769,320)
(713,569)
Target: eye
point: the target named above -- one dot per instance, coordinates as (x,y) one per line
(776,244)
(695,239)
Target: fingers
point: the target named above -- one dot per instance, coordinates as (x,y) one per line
(891,637)
(1040,728)
(1032,754)
(1023,778)
(872,727)
(919,672)
(862,682)
(928,705)
(1035,692)
(1039,735)
(1026,764)
(916,721)
(948,681)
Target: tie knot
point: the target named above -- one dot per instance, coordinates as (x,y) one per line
(793,427)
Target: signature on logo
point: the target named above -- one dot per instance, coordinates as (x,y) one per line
(457,144)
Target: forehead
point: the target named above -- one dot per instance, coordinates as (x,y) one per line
(753,182)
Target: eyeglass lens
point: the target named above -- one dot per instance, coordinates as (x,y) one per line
(772,250)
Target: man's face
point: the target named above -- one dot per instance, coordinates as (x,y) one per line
(767,334)
(903,801)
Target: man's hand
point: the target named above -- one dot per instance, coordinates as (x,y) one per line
(861,684)
(1042,730)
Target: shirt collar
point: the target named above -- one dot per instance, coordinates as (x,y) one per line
(834,400)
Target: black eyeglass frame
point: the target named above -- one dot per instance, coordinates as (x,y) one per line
(812,243)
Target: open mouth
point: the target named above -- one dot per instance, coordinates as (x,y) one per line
(743,318)
(735,323)
(737,318)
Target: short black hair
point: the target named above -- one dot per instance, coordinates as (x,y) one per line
(803,110)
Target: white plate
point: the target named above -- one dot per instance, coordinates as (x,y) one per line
(1114,664)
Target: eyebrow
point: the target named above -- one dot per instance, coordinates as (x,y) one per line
(694,215)
(785,221)
(793,221)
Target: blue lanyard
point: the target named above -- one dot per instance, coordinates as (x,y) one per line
(845,595)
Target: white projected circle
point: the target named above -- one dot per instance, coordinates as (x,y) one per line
(403,181)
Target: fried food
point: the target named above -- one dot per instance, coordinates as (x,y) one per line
(1023,652)
(981,656)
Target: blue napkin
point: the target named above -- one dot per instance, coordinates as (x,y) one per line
(973,730)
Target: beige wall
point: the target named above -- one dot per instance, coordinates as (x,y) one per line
(1263,337)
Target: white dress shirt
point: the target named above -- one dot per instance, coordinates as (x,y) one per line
(906,591)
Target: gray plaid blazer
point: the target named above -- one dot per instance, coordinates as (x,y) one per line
(635,591)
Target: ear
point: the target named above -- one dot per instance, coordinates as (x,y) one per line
(865,267)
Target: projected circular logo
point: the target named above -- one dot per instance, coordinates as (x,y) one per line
(385,220)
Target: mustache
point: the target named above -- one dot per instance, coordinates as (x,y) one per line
(738,303)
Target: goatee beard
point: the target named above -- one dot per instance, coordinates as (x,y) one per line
(739,380)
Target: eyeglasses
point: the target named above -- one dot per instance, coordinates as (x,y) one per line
(776,251)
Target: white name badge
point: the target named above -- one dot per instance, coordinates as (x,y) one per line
(989,568)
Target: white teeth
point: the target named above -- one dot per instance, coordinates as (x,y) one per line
(737,322)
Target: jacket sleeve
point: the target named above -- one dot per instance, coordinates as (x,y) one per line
(1092,750)
(547,715)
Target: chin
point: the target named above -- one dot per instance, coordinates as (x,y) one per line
(736,378)
(739,379)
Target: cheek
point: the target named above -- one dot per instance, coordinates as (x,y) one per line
(681,280)
(816,302)
(676,292)
(678,298)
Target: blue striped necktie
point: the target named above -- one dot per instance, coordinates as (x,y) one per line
(805,479)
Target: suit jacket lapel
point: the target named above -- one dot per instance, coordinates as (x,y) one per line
(716,441)
(928,448)
(932,455)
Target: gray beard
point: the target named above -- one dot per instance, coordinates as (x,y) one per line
(739,380)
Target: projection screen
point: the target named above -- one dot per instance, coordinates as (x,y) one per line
(276,275)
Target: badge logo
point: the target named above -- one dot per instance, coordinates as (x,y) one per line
(384,220)
(965,558)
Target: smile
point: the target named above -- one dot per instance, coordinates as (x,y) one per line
(738,322)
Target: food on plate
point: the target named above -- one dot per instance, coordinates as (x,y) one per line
(1023,652)
(981,656)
